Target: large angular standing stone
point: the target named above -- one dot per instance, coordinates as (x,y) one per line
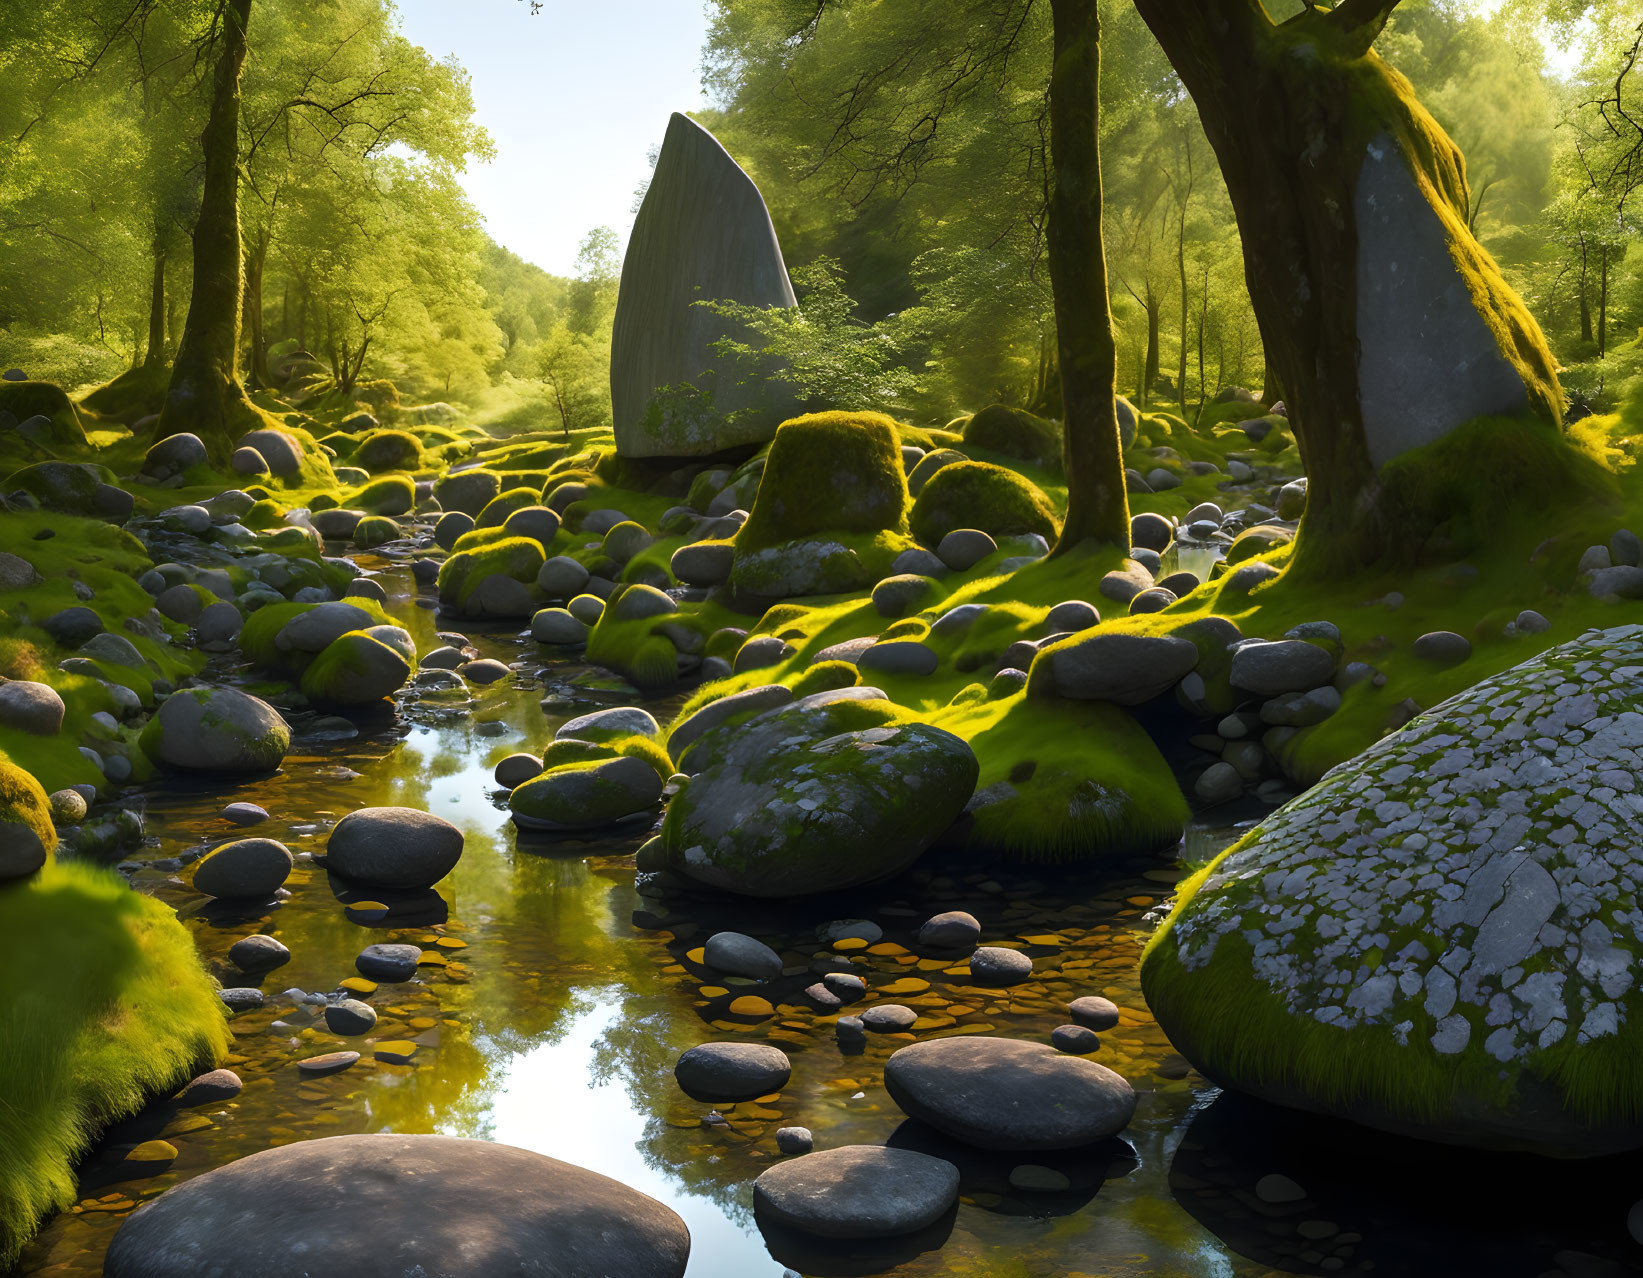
(1428,360)
(702,234)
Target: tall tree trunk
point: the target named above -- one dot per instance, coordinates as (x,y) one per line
(256,354)
(1186,301)
(1298,113)
(1603,303)
(156,310)
(1149,376)
(1585,303)
(205,396)
(1097,503)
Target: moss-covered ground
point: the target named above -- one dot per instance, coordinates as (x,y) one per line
(115,1008)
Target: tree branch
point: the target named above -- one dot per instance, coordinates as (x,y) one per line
(1360,21)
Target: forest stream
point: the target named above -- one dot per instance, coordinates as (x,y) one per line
(554,996)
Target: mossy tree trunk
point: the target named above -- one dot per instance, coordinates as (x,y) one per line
(155,355)
(1097,504)
(205,396)
(256,349)
(1292,109)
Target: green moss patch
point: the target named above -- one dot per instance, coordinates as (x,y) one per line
(117,1008)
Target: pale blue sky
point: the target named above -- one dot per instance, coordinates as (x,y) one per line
(573,99)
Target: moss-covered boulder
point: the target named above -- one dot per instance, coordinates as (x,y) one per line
(467,490)
(1442,937)
(835,790)
(826,473)
(390,495)
(1063,781)
(496,511)
(497,579)
(585,796)
(73,488)
(25,401)
(374,531)
(831,510)
(384,450)
(27,837)
(356,668)
(1016,433)
(980,495)
(216,730)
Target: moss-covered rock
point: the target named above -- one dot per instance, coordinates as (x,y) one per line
(1016,433)
(356,669)
(384,450)
(827,793)
(980,495)
(1063,781)
(825,564)
(74,488)
(376,530)
(22,401)
(1441,937)
(497,579)
(828,472)
(587,795)
(216,730)
(27,836)
(467,490)
(495,512)
(390,495)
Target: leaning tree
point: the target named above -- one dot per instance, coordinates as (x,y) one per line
(1388,323)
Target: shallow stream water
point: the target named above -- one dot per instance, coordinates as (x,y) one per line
(556,994)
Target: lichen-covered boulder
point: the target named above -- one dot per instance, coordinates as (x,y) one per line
(702,234)
(834,790)
(971,494)
(1441,937)
(216,730)
(356,668)
(27,836)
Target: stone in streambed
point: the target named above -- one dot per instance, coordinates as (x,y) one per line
(856,1192)
(729,1072)
(244,869)
(213,1088)
(737,955)
(1006,1094)
(386,1205)
(388,962)
(583,796)
(216,730)
(258,953)
(393,847)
